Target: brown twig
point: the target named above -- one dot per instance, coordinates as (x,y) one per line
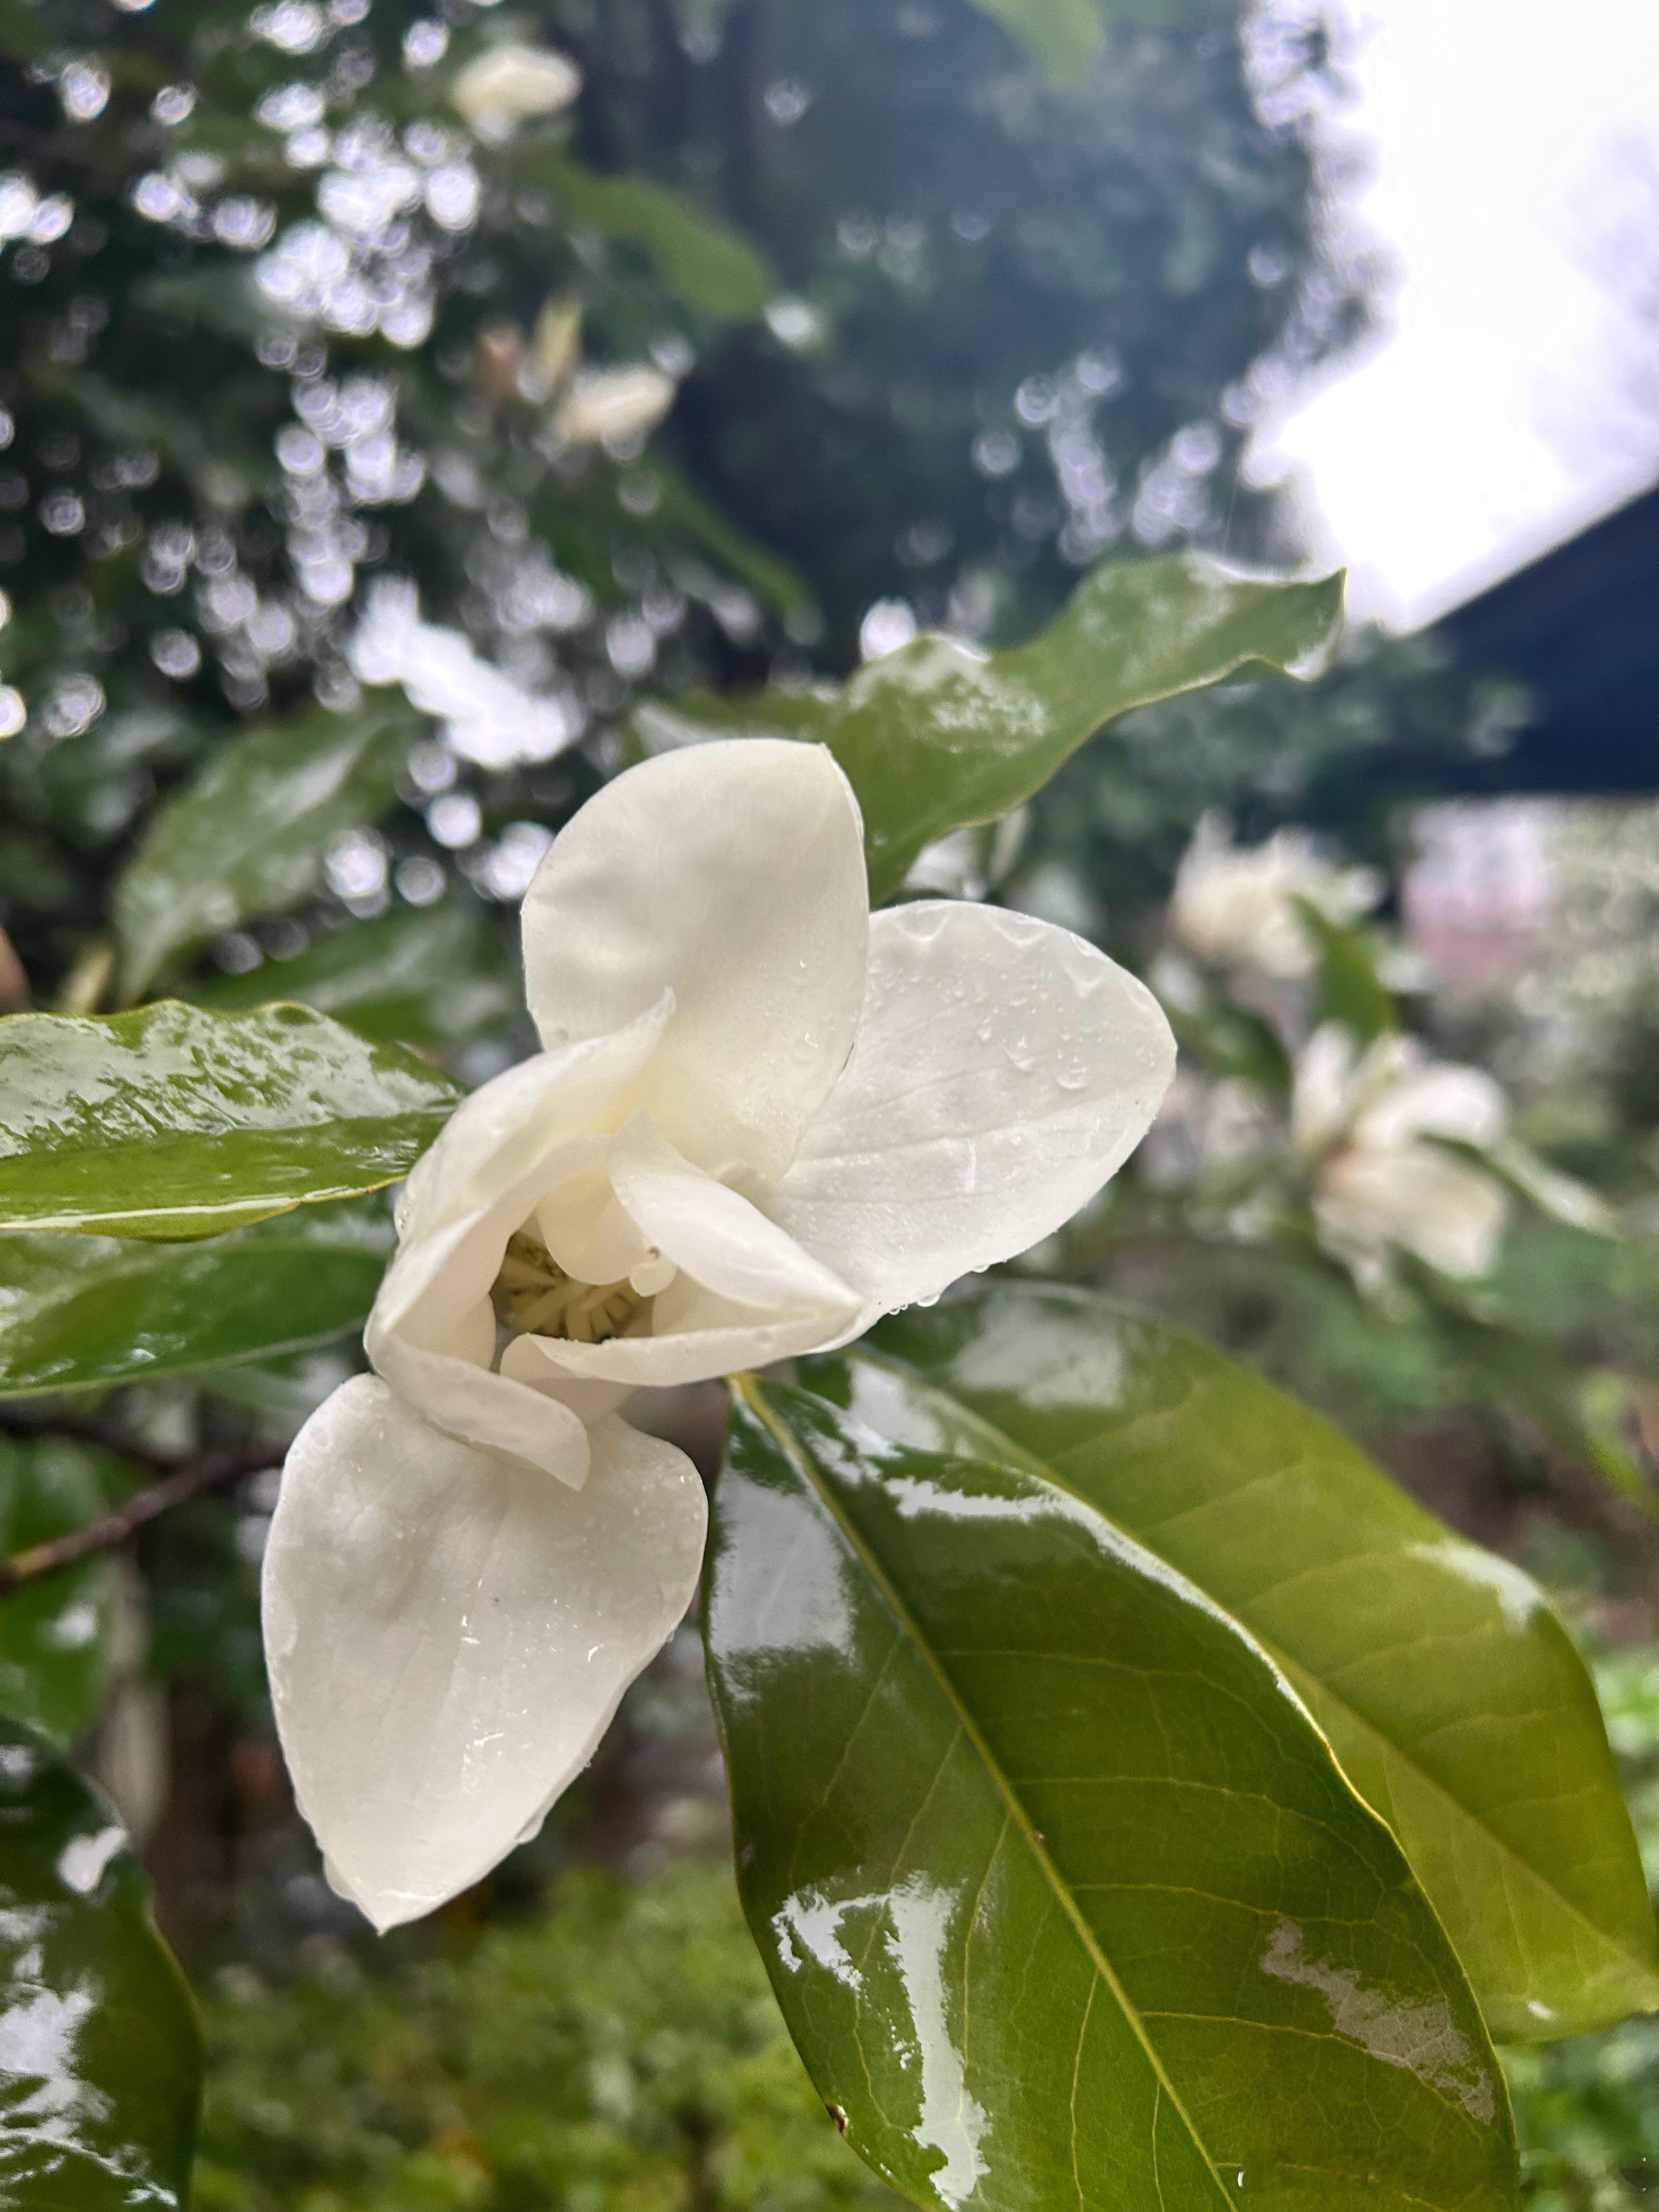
(176,1487)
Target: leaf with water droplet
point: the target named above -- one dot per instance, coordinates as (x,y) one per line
(1491,1764)
(1062,1893)
(98,2044)
(937,736)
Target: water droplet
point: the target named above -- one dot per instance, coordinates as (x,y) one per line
(1072,1079)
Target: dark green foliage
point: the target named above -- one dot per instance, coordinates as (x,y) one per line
(1020,291)
(179,549)
(619,2049)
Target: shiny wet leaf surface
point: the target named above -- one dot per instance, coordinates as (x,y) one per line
(178,1123)
(80,1311)
(99,2052)
(1450,1690)
(1064,1901)
(937,735)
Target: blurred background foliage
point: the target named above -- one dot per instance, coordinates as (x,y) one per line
(370,447)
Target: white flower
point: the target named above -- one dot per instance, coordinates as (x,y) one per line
(1363,1121)
(614,403)
(761,1118)
(1234,906)
(508,85)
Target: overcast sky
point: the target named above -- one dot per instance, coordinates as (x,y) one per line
(1516,183)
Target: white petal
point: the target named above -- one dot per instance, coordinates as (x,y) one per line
(713,1234)
(448,1634)
(1325,1088)
(586,1231)
(529,1110)
(431,1333)
(1448,1213)
(1003,1071)
(1438,1100)
(731,874)
(701,1336)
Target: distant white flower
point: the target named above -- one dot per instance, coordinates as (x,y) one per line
(761,1118)
(622,403)
(508,85)
(1365,1121)
(1234,906)
(488,718)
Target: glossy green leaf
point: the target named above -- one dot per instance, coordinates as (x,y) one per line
(936,735)
(55,1632)
(77,1312)
(101,2060)
(248,836)
(436,978)
(705,265)
(176,1122)
(1063,1896)
(1451,1692)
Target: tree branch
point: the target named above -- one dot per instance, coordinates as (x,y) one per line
(175,1487)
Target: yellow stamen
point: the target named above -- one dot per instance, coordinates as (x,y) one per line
(535,1297)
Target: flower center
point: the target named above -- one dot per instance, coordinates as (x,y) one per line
(533,1296)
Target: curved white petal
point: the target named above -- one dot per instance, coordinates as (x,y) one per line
(431,1333)
(698,1336)
(1003,1071)
(526,1112)
(1323,1097)
(731,874)
(586,1230)
(1447,1212)
(713,1234)
(448,1634)
(1437,1099)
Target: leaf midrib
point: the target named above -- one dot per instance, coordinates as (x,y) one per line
(1028,1463)
(792,1449)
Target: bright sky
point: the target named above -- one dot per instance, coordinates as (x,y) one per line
(1498,411)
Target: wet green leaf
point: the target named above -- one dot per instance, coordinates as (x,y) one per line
(1451,1692)
(436,978)
(55,1632)
(936,735)
(1063,1895)
(248,836)
(177,1121)
(82,1311)
(99,2052)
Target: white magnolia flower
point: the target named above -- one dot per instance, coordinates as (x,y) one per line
(1234,906)
(508,85)
(628,402)
(761,1117)
(1363,1120)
